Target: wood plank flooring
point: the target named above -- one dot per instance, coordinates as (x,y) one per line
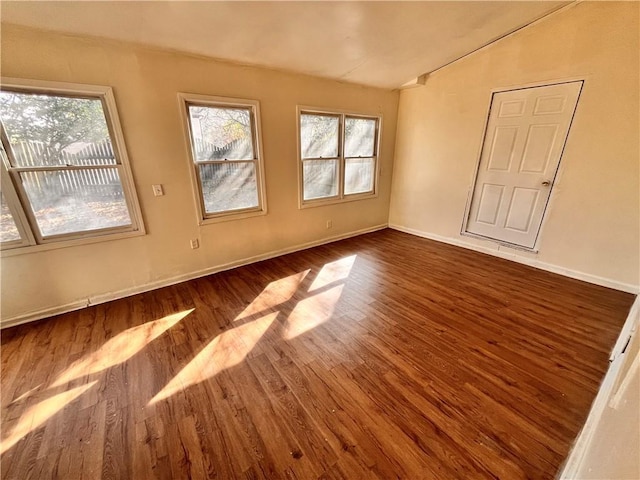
(381,356)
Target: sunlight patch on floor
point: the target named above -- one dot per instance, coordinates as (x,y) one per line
(277,292)
(38,414)
(224,351)
(333,272)
(26,394)
(312,311)
(120,348)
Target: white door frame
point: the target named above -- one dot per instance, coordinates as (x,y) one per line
(556,176)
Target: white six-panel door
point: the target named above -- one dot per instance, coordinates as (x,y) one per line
(525,136)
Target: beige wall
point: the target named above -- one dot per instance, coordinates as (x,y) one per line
(145,83)
(593,221)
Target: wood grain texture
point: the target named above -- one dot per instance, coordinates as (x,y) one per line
(382,356)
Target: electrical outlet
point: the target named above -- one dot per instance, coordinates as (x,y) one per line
(329,223)
(194,243)
(157,190)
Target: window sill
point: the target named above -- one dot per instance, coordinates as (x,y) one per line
(332,201)
(12,252)
(230,216)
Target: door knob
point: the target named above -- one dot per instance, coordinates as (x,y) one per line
(546,183)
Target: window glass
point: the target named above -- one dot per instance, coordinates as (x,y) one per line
(359,137)
(76,200)
(8,230)
(228,186)
(358,175)
(51,130)
(319,136)
(320,178)
(221,133)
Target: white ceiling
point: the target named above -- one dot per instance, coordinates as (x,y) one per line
(383,44)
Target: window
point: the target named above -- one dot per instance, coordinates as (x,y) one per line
(65,174)
(224,145)
(339,156)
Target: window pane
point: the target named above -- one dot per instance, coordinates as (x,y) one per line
(359,137)
(319,136)
(48,130)
(320,178)
(228,186)
(221,133)
(358,175)
(76,200)
(8,229)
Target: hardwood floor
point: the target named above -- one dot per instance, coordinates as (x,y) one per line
(382,356)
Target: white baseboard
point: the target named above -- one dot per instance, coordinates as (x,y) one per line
(165,282)
(44,313)
(514,256)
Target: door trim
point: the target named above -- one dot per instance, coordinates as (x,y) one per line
(556,175)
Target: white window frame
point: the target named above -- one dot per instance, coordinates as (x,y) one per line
(341,197)
(32,239)
(203,218)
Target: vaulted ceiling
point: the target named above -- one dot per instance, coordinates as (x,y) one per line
(383,44)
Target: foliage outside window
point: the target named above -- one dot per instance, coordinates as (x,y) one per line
(339,154)
(64,175)
(225,156)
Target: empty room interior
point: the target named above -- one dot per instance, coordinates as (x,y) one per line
(320,240)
